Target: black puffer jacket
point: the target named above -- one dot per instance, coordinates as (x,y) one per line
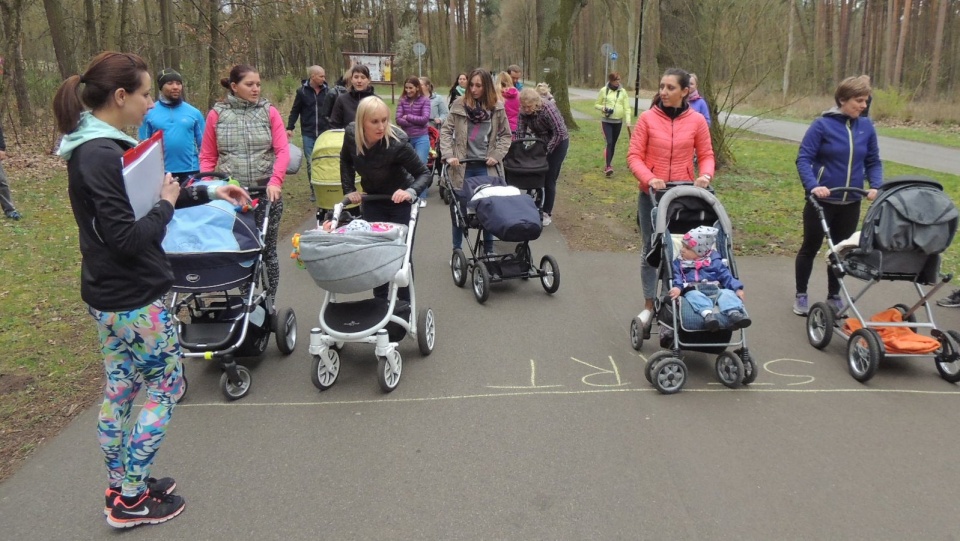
(382,169)
(345,108)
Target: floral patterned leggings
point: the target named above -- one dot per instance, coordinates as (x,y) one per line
(139,346)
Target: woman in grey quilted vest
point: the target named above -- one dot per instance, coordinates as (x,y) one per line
(245,137)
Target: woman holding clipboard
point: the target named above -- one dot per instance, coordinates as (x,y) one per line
(123,276)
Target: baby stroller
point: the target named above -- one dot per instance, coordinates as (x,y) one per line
(905,231)
(433,159)
(355,262)
(325,173)
(216,253)
(488,204)
(679,208)
(525,166)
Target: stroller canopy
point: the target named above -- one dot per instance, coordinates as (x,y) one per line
(671,202)
(910,214)
(353,262)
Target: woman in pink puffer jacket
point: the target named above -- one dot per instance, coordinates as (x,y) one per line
(661,150)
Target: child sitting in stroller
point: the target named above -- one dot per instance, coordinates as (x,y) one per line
(700,275)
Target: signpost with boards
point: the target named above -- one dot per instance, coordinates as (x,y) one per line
(380,66)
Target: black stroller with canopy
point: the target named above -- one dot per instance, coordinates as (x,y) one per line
(218,300)
(489,204)
(905,231)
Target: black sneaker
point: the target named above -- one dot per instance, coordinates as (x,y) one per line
(738,320)
(150,509)
(950,301)
(710,322)
(161,487)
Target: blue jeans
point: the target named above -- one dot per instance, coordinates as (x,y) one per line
(421,145)
(471,171)
(308,143)
(727,300)
(648,274)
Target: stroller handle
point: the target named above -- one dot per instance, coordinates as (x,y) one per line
(374,197)
(655,194)
(843,189)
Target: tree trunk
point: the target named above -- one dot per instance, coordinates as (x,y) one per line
(789,54)
(555,24)
(90,27)
(12,11)
(888,51)
(452,25)
(937,49)
(62,47)
(844,32)
(124,37)
(108,20)
(902,43)
(213,21)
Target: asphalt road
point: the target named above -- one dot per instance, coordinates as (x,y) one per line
(532,420)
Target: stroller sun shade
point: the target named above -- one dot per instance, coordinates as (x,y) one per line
(525,164)
(505,211)
(353,262)
(211,247)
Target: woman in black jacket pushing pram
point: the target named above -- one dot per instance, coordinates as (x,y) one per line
(387,165)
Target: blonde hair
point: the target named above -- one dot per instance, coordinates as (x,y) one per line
(543,89)
(369,106)
(529,96)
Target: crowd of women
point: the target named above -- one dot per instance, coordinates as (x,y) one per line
(125,272)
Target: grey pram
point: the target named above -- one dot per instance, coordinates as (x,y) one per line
(355,262)
(904,233)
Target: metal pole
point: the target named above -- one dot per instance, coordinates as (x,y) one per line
(636,98)
(419,65)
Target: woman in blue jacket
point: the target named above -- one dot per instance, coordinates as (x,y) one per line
(839,150)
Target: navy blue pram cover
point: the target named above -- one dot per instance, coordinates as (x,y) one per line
(509,215)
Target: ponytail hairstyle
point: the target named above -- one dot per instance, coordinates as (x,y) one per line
(106,73)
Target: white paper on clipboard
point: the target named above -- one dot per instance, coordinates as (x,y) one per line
(143,173)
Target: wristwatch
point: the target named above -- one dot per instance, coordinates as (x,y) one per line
(709,177)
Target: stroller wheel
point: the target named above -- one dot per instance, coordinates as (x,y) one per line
(652,361)
(820,322)
(669,375)
(286,330)
(636,334)
(426,331)
(481,283)
(549,274)
(864,352)
(326,368)
(389,368)
(948,359)
(458,267)
(235,390)
(749,366)
(730,369)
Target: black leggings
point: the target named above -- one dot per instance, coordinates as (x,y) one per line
(611,132)
(842,221)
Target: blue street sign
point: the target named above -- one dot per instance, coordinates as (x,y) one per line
(613,56)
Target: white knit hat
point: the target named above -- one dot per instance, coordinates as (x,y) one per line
(701,239)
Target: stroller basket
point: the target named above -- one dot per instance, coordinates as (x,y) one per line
(502,210)
(354,262)
(211,247)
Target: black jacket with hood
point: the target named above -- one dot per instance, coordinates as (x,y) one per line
(309,106)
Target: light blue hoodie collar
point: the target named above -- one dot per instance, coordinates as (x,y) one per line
(89,128)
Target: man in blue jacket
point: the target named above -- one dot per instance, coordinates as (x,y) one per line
(182,126)
(309,106)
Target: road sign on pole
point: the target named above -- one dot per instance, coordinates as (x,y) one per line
(419,49)
(606,49)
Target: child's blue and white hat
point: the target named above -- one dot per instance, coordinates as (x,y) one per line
(701,239)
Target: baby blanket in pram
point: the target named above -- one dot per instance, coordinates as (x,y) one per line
(355,261)
(505,211)
(211,228)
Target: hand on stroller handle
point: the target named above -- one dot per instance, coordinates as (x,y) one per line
(347,199)
(822,191)
(469,161)
(653,192)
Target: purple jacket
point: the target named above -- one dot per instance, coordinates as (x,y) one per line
(413,116)
(711,270)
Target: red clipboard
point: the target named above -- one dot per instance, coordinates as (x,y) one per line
(143,174)
(131,155)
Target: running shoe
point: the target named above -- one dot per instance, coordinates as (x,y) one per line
(950,301)
(162,486)
(151,508)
